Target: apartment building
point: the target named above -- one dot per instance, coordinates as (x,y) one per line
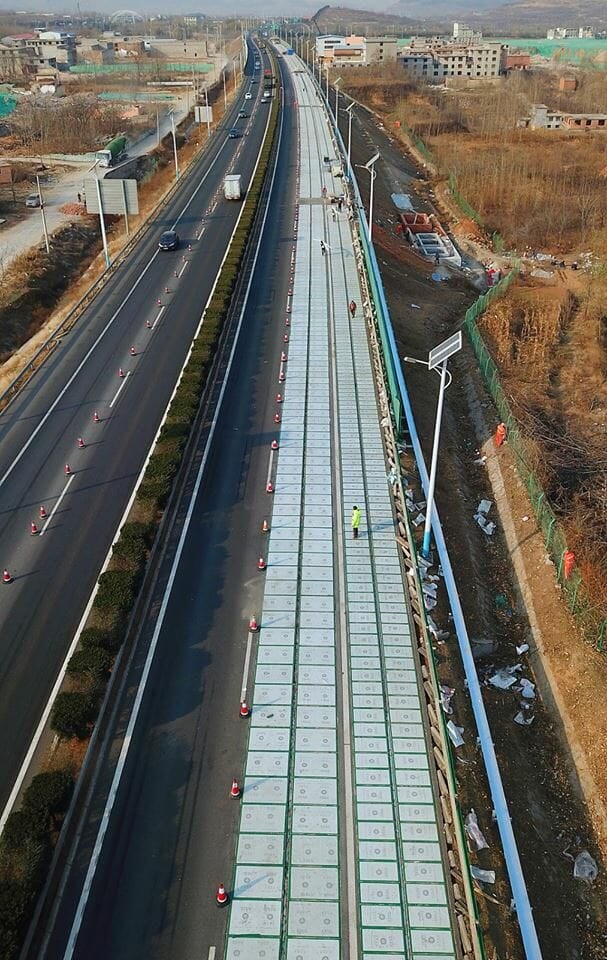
(470,61)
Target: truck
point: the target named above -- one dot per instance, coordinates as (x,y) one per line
(112,153)
(267,95)
(232,189)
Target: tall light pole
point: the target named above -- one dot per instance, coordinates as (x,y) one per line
(101,217)
(369,166)
(225,95)
(336,84)
(327,85)
(172,116)
(437,358)
(206,101)
(43,215)
(349,110)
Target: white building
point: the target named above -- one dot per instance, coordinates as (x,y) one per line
(355,51)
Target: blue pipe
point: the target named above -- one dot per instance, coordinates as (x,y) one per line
(500,805)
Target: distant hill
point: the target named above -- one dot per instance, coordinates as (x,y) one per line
(488,15)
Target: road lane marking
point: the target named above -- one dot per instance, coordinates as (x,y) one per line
(57,505)
(105,819)
(121,387)
(16,790)
(211,953)
(96,343)
(158,316)
(247,664)
(182,270)
(269,476)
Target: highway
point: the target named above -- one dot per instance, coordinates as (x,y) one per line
(173,823)
(335,849)
(54,571)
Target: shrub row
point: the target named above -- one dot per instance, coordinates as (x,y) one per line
(29,835)
(25,851)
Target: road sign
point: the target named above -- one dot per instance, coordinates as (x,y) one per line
(203,114)
(117,196)
(445,350)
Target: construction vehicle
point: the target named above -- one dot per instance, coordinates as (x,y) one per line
(112,153)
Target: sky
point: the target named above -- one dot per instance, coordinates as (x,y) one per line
(414,8)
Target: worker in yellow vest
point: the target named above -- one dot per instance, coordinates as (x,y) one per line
(355,521)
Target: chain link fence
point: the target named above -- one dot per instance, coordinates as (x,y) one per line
(591,619)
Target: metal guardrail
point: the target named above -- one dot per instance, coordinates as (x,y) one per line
(30,368)
(401,403)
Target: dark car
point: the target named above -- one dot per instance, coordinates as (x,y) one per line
(243,115)
(169,240)
(234,133)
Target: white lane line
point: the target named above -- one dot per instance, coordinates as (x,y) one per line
(96,343)
(105,819)
(211,953)
(270,465)
(120,388)
(179,275)
(158,316)
(57,505)
(247,664)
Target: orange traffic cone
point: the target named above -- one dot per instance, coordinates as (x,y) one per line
(235,790)
(261,564)
(245,710)
(276,418)
(120,372)
(568,563)
(96,417)
(159,302)
(166,290)
(274,444)
(148,324)
(221,896)
(283,357)
(253,625)
(287,322)
(279,398)
(67,470)
(43,513)
(265,527)
(81,443)
(6,577)
(500,434)
(33,529)
(286,338)
(269,488)
(282,376)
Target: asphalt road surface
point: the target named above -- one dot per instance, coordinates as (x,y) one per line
(55,571)
(172,833)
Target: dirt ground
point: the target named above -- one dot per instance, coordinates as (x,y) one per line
(551,818)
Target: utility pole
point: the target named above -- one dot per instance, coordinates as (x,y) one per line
(172,116)
(206,100)
(43,215)
(101,219)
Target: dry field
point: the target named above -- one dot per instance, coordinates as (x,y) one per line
(542,191)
